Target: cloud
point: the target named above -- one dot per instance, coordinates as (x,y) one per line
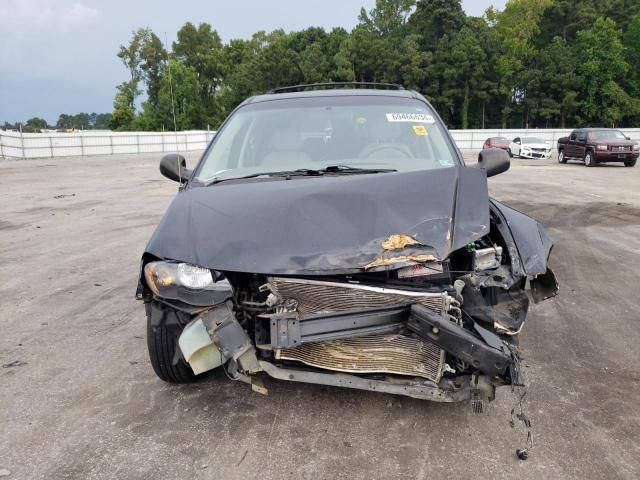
(45,15)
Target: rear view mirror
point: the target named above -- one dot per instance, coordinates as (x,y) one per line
(494,161)
(174,167)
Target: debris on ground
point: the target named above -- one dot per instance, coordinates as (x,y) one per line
(15,363)
(65,195)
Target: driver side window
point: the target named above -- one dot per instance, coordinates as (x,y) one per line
(581,137)
(517,140)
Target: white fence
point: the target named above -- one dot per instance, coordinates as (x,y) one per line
(42,145)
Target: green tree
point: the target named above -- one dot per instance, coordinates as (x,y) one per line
(123,107)
(466,69)
(558,92)
(153,58)
(517,47)
(632,79)
(433,19)
(600,62)
(388,17)
(36,124)
(276,64)
(200,49)
(179,93)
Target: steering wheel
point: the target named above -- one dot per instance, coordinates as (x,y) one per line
(369,150)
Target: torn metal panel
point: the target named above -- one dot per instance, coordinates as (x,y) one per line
(505,307)
(400,261)
(530,239)
(471,218)
(544,286)
(398,241)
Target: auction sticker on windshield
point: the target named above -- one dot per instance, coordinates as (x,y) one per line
(420,130)
(410,117)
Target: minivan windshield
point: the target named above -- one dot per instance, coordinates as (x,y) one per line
(365,133)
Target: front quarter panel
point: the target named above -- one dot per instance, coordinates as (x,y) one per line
(531,238)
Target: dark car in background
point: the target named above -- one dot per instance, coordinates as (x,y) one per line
(496,142)
(598,145)
(333,234)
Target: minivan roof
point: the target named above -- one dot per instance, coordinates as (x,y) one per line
(336,92)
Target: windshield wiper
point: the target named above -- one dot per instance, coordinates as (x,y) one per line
(307,172)
(286,173)
(349,169)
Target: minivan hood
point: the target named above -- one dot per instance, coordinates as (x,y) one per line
(325,225)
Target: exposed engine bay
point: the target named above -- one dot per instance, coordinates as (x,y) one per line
(443,330)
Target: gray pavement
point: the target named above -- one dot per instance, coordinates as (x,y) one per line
(78,398)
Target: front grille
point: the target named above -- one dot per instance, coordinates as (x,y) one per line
(312,296)
(392,354)
(620,149)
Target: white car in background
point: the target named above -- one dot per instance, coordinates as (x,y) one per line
(529,147)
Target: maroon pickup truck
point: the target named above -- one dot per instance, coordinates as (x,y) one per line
(598,145)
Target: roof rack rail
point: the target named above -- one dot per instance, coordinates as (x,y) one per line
(333,85)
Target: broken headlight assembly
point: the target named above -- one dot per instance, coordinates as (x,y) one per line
(187,283)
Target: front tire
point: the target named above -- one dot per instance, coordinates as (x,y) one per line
(630,163)
(561,157)
(162,342)
(510,153)
(589,160)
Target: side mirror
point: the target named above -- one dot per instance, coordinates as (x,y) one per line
(628,138)
(494,161)
(174,167)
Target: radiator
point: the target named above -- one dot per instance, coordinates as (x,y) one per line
(313,296)
(392,354)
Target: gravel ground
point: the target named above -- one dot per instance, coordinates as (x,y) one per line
(79,399)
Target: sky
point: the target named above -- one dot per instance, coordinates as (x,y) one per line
(59,56)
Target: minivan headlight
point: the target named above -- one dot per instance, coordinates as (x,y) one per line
(187,283)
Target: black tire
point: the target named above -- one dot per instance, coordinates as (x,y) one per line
(589,160)
(561,157)
(510,154)
(162,342)
(630,163)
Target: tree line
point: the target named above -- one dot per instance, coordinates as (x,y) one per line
(79,121)
(535,64)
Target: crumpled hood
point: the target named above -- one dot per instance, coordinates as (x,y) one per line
(325,225)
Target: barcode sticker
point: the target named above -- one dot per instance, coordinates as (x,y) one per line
(410,117)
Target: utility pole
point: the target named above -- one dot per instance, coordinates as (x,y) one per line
(173,105)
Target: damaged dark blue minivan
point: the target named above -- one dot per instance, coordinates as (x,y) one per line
(332,234)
